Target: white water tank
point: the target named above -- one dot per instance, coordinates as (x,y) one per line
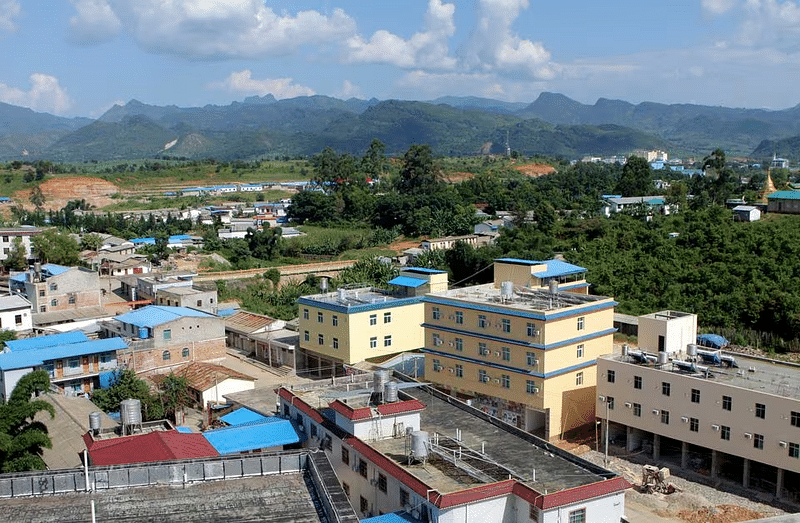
(95,421)
(419,445)
(507,290)
(663,358)
(691,349)
(390,392)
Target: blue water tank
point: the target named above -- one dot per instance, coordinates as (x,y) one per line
(144,332)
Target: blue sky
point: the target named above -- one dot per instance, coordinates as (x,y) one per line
(79,57)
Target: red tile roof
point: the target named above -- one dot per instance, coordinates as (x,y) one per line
(144,448)
(349,412)
(400,406)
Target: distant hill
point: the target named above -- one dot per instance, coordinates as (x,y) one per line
(788,148)
(23,131)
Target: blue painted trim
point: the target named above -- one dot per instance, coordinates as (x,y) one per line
(519,343)
(354,309)
(576,310)
(517,370)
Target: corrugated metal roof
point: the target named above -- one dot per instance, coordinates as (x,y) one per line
(46,341)
(242,416)
(144,448)
(423,270)
(54,269)
(394,517)
(32,358)
(248,321)
(269,432)
(554,267)
(203,376)
(14,301)
(154,315)
(407,281)
(784,195)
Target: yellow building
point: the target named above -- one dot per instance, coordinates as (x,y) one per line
(522,348)
(353,324)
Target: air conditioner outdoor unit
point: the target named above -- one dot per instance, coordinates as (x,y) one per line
(485,379)
(715,427)
(437,368)
(782,444)
(451,370)
(437,341)
(684,419)
(534,390)
(656,412)
(497,380)
(535,332)
(747,435)
(497,353)
(628,404)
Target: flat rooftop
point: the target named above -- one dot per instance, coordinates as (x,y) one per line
(488,453)
(348,300)
(758,374)
(523,298)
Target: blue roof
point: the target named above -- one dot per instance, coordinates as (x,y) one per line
(554,267)
(227,312)
(785,195)
(54,269)
(406,281)
(46,341)
(22,276)
(241,416)
(179,237)
(712,340)
(153,315)
(423,270)
(147,241)
(184,430)
(32,358)
(392,517)
(269,432)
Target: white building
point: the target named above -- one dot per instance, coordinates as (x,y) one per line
(15,313)
(9,236)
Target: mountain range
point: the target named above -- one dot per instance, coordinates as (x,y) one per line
(552,125)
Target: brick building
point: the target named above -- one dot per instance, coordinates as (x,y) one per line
(51,287)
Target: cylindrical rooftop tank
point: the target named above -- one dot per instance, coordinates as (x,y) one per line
(663,358)
(419,444)
(130,412)
(342,293)
(379,379)
(143,333)
(507,290)
(390,392)
(95,421)
(553,286)
(624,349)
(691,349)
(323,284)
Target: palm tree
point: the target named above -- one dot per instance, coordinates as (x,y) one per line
(22,439)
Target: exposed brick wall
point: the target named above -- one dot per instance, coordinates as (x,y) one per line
(145,361)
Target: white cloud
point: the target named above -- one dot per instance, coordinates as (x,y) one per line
(242,82)
(771,23)
(350,90)
(94,23)
(717,7)
(45,95)
(428,48)
(208,29)
(9,9)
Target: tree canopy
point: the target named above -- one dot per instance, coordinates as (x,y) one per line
(22,438)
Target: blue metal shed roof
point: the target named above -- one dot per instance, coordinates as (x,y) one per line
(269,432)
(154,315)
(146,241)
(554,267)
(241,416)
(184,430)
(407,281)
(32,358)
(785,195)
(423,270)
(54,269)
(392,517)
(42,342)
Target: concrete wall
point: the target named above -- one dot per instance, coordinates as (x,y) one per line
(215,393)
(8,320)
(678,329)
(75,288)
(152,359)
(9,379)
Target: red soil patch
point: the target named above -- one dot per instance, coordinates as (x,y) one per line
(535,169)
(58,191)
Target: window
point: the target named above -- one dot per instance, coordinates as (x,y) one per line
(404,499)
(305,314)
(482,350)
(336,343)
(53,286)
(199,303)
(54,303)
(665,388)
(362,467)
(345,455)
(695,395)
(382,483)
(530,387)
(531,359)
(577,516)
(482,376)
(5,239)
(387,317)
(506,354)
(320,339)
(637,382)
(166,355)
(725,433)
(665,417)
(387,340)
(74,363)
(437,364)
(43,308)
(482,323)
(637,410)
(506,381)
(71,300)
(346,489)
(373,319)
(610,402)
(761,410)
(437,340)
(694,424)
(313,431)
(505,325)
(727,402)
(437,314)
(320,317)
(18,319)
(167,335)
(459,316)
(373,342)
(306,336)
(364,505)
(795,419)
(581,323)
(459,370)
(579,351)
(579,378)
(41,293)
(335,320)
(185,352)
(794,450)
(459,344)
(532,330)
(612,376)
(758,441)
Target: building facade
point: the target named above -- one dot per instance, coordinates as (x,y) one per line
(52,288)
(190,297)
(18,234)
(15,313)
(520,348)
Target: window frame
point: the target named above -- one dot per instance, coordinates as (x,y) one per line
(727,403)
(665,417)
(637,410)
(666,388)
(695,396)
(694,425)
(761,411)
(611,376)
(725,432)
(637,382)
(387,340)
(581,323)
(458,317)
(436,313)
(579,378)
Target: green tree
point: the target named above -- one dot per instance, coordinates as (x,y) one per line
(37,198)
(22,438)
(174,394)
(91,242)
(17,258)
(637,178)
(51,246)
(373,161)
(7,335)
(264,244)
(419,174)
(126,385)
